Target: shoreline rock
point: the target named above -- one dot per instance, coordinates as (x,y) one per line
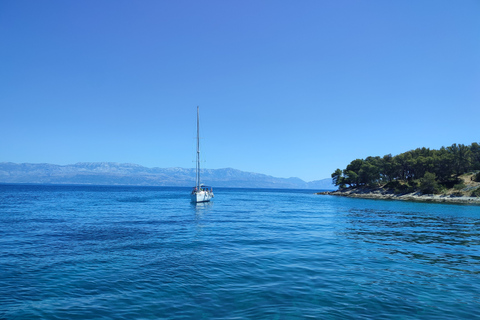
(383,194)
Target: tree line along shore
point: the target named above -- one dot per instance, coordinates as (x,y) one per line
(450,174)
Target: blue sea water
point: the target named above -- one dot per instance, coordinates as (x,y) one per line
(86,252)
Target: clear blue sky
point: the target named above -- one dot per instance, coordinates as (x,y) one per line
(285,88)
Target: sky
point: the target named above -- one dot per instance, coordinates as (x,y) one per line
(285,88)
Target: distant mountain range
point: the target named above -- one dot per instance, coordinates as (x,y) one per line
(109,173)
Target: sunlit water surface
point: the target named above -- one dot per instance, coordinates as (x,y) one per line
(77,252)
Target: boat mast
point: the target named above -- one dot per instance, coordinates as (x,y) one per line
(198,151)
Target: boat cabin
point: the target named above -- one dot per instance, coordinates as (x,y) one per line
(202,188)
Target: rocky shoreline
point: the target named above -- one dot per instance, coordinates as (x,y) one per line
(384,194)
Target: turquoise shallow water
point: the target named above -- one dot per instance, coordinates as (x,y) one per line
(75,252)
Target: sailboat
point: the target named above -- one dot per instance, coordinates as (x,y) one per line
(200,192)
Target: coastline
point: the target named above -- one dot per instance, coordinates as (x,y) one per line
(383,194)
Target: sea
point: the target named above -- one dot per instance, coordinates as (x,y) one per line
(113,252)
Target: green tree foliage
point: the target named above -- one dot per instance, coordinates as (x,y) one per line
(462,158)
(369,173)
(338,179)
(475,149)
(388,168)
(350,178)
(428,184)
(444,164)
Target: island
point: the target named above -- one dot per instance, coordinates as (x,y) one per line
(450,174)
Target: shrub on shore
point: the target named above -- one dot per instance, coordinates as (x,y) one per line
(459,186)
(428,184)
(476,177)
(476,192)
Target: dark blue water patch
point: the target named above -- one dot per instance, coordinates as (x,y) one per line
(134,199)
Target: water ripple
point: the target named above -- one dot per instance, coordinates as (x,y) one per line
(147,253)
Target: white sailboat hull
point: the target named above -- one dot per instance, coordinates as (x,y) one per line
(201,196)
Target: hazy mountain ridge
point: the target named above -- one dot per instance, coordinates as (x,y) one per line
(111,173)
